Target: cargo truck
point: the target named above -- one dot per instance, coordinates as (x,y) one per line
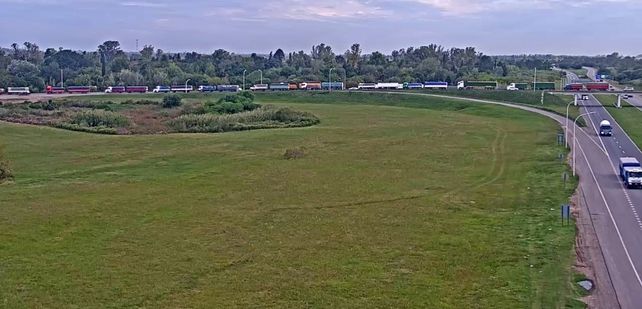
(162,89)
(517,86)
(206,88)
(54,90)
(488,85)
(631,172)
(436,85)
(137,89)
(115,89)
(412,86)
(1,90)
(543,86)
(260,87)
(310,86)
(605,128)
(18,90)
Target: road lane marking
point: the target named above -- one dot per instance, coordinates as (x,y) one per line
(597,133)
(608,208)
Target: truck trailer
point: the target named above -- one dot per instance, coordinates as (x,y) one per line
(631,172)
(310,86)
(366,86)
(574,87)
(260,87)
(228,88)
(79,89)
(18,90)
(598,86)
(543,86)
(162,89)
(116,89)
(488,85)
(206,88)
(389,86)
(332,86)
(182,88)
(279,87)
(412,86)
(436,85)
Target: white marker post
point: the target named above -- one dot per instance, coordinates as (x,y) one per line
(619,101)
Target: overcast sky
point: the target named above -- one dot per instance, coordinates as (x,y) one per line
(587,27)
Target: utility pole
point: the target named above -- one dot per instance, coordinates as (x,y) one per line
(62,78)
(244,79)
(535,80)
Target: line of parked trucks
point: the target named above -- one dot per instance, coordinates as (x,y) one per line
(316,85)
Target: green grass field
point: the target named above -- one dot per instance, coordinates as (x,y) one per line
(401,202)
(628,117)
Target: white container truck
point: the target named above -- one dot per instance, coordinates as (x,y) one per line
(605,128)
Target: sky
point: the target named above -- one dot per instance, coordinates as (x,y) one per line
(494,27)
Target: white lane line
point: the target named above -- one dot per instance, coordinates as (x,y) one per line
(597,133)
(608,208)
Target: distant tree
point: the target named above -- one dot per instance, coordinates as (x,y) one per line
(353,55)
(108,50)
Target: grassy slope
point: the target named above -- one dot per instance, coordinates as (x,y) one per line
(392,207)
(628,116)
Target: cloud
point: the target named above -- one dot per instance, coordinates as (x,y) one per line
(144,4)
(467,7)
(302,10)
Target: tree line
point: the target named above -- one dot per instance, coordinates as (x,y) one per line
(109,65)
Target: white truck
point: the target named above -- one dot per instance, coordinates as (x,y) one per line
(605,128)
(259,87)
(631,172)
(18,90)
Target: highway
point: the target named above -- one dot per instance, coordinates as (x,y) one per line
(615,210)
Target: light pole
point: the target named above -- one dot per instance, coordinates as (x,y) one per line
(187,81)
(566,127)
(261,71)
(244,79)
(575,137)
(330,80)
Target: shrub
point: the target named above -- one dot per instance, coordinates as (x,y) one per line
(296,153)
(171,100)
(233,103)
(48,106)
(99,118)
(262,118)
(5,171)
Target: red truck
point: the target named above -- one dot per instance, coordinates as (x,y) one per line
(137,89)
(55,90)
(597,86)
(310,86)
(78,89)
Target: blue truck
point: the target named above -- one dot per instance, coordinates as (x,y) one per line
(631,172)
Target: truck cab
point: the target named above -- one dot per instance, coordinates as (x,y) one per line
(605,128)
(631,172)
(512,87)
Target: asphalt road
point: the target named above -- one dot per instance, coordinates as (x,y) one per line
(616,211)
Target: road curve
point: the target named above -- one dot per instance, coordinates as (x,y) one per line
(607,210)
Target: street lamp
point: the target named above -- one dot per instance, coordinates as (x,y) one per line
(187,81)
(330,80)
(566,127)
(244,79)
(575,137)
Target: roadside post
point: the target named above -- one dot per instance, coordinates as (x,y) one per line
(565,178)
(619,101)
(575,102)
(542,97)
(566,214)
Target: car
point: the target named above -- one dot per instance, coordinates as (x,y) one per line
(353,88)
(629,89)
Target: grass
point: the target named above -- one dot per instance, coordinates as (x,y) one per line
(628,117)
(581,73)
(427,203)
